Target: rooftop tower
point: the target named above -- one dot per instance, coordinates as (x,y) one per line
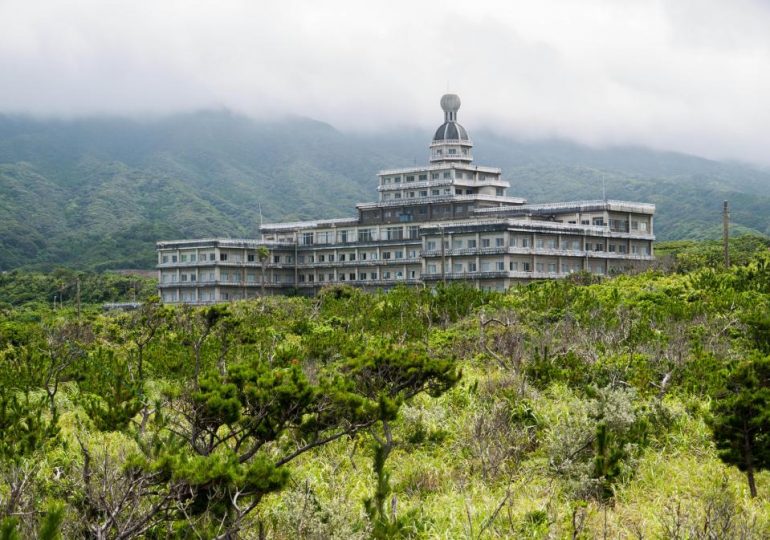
(451,142)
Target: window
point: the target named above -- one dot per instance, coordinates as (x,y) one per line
(352,276)
(612,248)
(183,257)
(322,258)
(526,267)
(431,268)
(250,257)
(331,257)
(386,255)
(434,176)
(184,277)
(499,192)
(642,226)
(499,242)
(276,259)
(397,195)
(374,275)
(342,257)
(513,241)
(224,276)
(525,242)
(635,225)
(485,242)
(551,243)
(173,258)
(413,231)
(472,243)
(435,192)
(410,178)
(539,267)
(399,254)
(343,236)
(597,221)
(576,245)
(363,256)
(386,275)
(447,174)
(193,277)
(211,276)
(395,233)
(486,266)
(165,259)
(539,243)
(193,257)
(431,245)
(397,179)
(457,243)
(551,268)
(513,266)
(423,193)
(352,256)
(423,177)
(362,275)
(457,268)
(364,235)
(500,266)
(621,248)
(452,151)
(223,257)
(471,267)
(411,194)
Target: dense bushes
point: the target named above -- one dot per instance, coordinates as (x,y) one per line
(567,408)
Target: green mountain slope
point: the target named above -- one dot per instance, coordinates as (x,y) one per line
(98,193)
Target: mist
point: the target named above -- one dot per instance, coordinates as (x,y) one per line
(685,76)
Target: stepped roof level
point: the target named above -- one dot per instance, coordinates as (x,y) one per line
(451,142)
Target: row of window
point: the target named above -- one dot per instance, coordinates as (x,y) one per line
(543,243)
(514,266)
(459,175)
(360,276)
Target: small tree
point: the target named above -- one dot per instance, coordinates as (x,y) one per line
(741,418)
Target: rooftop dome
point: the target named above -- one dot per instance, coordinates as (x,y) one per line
(450,130)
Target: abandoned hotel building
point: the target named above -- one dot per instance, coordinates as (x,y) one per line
(445,221)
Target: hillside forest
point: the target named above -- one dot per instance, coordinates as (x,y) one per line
(635,406)
(97,193)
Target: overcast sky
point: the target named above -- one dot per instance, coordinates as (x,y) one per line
(691,76)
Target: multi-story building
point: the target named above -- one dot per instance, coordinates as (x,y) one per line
(447,220)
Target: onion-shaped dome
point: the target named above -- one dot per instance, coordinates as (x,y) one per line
(450,130)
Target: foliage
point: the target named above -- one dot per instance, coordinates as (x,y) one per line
(741,421)
(573,408)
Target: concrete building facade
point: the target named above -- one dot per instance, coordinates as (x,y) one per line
(447,220)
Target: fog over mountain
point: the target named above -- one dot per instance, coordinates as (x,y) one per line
(688,76)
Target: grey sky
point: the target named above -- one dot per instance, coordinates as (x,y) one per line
(691,76)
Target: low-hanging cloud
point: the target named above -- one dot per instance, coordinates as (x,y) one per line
(686,75)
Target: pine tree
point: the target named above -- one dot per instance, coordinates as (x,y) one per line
(741,418)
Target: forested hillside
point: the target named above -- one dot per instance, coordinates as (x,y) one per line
(98,193)
(627,407)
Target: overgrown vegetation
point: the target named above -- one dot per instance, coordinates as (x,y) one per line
(561,409)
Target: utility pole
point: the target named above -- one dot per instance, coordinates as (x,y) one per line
(726,233)
(78,296)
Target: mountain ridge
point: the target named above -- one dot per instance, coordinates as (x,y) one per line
(98,193)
